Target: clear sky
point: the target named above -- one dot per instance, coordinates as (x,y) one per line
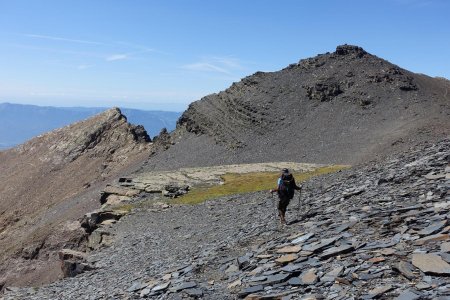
(166,54)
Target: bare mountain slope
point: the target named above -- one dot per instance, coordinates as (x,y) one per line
(51,181)
(340,107)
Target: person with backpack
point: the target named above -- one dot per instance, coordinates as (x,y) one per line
(286,188)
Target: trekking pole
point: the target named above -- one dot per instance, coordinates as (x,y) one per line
(276,210)
(299,203)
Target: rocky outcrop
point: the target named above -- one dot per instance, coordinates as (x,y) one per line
(90,221)
(73,262)
(52,180)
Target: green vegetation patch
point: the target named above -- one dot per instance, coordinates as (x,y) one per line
(246,183)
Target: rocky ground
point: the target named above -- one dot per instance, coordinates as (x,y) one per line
(376,231)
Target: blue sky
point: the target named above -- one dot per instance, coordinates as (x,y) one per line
(166,54)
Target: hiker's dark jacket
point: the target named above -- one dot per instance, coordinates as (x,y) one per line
(289,181)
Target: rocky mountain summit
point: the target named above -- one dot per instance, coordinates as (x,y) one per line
(51,181)
(377,231)
(345,107)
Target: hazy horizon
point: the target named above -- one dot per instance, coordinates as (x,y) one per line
(164,55)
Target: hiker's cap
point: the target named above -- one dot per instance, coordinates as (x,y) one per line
(285,171)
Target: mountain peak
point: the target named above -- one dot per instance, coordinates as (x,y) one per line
(108,131)
(330,102)
(349,50)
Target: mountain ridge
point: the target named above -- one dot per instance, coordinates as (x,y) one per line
(347,98)
(51,181)
(22,122)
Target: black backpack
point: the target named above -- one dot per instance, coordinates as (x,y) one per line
(286,186)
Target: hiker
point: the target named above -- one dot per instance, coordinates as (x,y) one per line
(286,188)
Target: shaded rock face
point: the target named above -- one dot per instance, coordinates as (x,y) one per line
(350,50)
(340,107)
(49,182)
(323,91)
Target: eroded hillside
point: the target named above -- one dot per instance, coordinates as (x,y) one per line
(342,107)
(50,182)
(377,231)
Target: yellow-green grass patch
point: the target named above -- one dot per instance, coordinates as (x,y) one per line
(240,183)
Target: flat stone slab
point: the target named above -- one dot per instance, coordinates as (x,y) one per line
(313,247)
(302,238)
(407,295)
(445,247)
(377,245)
(194,292)
(290,249)
(344,227)
(274,296)
(161,287)
(292,267)
(251,290)
(294,281)
(431,264)
(333,274)
(183,286)
(336,251)
(433,228)
(378,292)
(406,269)
(137,286)
(309,277)
(276,279)
(431,239)
(387,251)
(284,259)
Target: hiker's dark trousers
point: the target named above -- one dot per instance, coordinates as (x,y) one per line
(283,203)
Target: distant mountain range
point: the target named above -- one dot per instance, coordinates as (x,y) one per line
(19,123)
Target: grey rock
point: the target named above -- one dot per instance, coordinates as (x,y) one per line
(243,261)
(196,293)
(161,287)
(292,267)
(378,292)
(407,295)
(302,238)
(336,251)
(423,286)
(137,286)
(295,281)
(313,247)
(406,269)
(433,228)
(183,286)
(276,279)
(331,276)
(251,290)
